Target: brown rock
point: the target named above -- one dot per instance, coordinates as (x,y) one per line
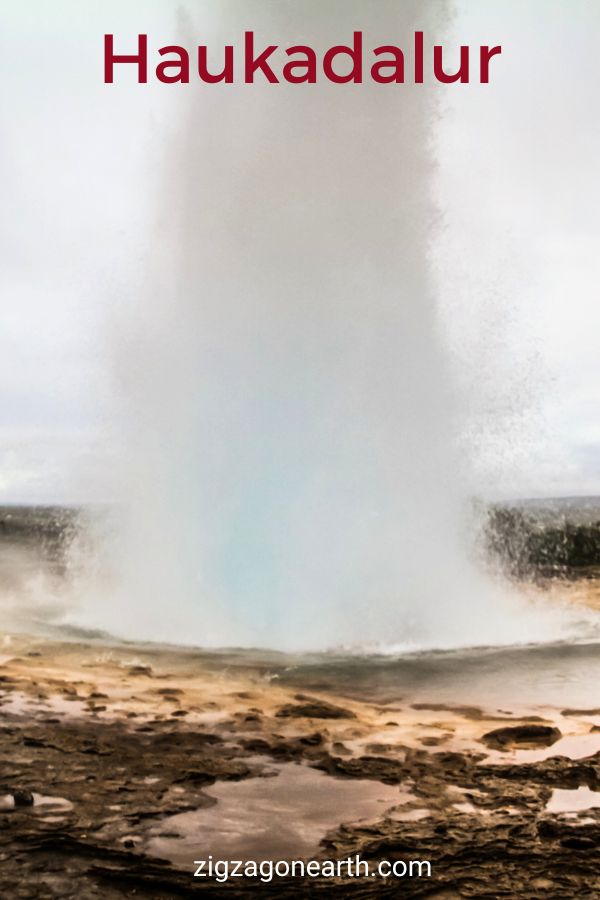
(523,736)
(312,708)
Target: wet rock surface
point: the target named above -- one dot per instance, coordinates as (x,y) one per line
(101,783)
(312,708)
(524,736)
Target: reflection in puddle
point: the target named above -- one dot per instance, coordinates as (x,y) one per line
(19,704)
(465,807)
(50,804)
(575,746)
(270,818)
(409,815)
(572,801)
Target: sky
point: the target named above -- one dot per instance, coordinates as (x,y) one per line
(519,186)
(516,254)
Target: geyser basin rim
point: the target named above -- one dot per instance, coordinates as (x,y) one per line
(387,66)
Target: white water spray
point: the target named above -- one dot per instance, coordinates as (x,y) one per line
(290,468)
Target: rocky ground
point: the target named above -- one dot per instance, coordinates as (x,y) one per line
(121,765)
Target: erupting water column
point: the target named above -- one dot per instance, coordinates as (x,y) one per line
(290,477)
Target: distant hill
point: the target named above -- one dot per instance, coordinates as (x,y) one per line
(550,537)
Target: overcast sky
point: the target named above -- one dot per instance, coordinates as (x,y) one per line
(518,256)
(520,186)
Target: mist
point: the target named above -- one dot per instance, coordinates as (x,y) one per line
(292,470)
(270,340)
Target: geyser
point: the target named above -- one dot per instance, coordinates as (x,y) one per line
(289,473)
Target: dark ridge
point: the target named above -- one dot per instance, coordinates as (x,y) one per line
(546,538)
(552,538)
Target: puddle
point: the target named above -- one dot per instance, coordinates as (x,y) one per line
(53,805)
(19,704)
(409,815)
(269,818)
(407,808)
(574,746)
(573,801)
(462,800)
(210,718)
(465,807)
